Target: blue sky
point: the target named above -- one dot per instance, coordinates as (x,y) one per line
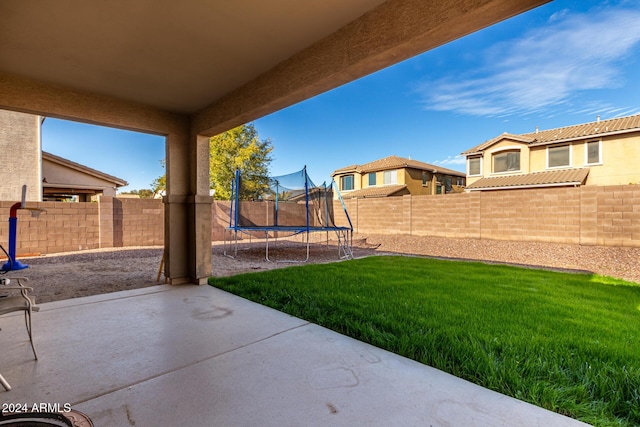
(561,64)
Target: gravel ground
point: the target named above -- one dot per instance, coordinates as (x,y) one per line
(71,275)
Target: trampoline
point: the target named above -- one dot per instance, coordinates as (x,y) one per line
(288,205)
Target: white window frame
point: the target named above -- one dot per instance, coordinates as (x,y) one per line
(393,174)
(500,151)
(469,165)
(570,146)
(586,152)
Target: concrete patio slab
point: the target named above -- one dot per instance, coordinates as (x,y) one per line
(198,356)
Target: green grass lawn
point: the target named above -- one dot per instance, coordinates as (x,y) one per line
(566,342)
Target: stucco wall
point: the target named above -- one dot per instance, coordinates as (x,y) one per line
(63,176)
(620,164)
(619,156)
(19,156)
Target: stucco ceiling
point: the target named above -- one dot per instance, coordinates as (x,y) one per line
(148,65)
(179,56)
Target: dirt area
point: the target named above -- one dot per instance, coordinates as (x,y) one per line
(72,275)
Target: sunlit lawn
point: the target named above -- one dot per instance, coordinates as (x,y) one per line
(567,342)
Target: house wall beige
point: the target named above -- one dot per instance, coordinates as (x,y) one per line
(20,158)
(617,142)
(619,165)
(405,176)
(77,180)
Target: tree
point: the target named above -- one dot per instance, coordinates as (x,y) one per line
(159,185)
(239,148)
(145,193)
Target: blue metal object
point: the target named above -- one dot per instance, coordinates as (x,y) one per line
(12,263)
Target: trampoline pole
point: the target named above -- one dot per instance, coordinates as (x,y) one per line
(326,211)
(276,207)
(237,200)
(306,195)
(344,207)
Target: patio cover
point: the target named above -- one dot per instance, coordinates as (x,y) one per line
(191,69)
(556,178)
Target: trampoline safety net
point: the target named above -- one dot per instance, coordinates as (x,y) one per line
(288,205)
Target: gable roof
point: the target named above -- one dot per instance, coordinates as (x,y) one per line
(395,162)
(555,178)
(118,182)
(489,143)
(599,128)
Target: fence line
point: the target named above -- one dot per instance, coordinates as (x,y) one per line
(589,215)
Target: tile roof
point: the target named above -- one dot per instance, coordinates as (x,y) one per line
(350,168)
(569,133)
(395,162)
(492,141)
(555,178)
(369,192)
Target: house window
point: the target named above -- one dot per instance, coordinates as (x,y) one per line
(475,166)
(425,179)
(506,161)
(346,182)
(372,179)
(559,156)
(390,177)
(593,152)
(448,184)
(460,182)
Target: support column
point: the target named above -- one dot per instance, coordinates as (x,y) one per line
(187,210)
(202,217)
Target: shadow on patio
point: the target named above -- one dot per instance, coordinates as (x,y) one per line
(197,356)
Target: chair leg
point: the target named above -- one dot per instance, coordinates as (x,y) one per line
(27,320)
(4,383)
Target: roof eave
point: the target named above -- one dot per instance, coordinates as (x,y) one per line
(119,182)
(582,137)
(519,187)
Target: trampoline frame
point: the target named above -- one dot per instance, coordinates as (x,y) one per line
(344,234)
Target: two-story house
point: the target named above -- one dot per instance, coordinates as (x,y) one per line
(397,176)
(603,152)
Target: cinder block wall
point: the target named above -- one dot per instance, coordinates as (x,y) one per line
(590,215)
(606,216)
(66,227)
(63,227)
(142,222)
(259,214)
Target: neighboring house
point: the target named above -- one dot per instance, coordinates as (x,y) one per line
(63,179)
(397,176)
(48,177)
(604,152)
